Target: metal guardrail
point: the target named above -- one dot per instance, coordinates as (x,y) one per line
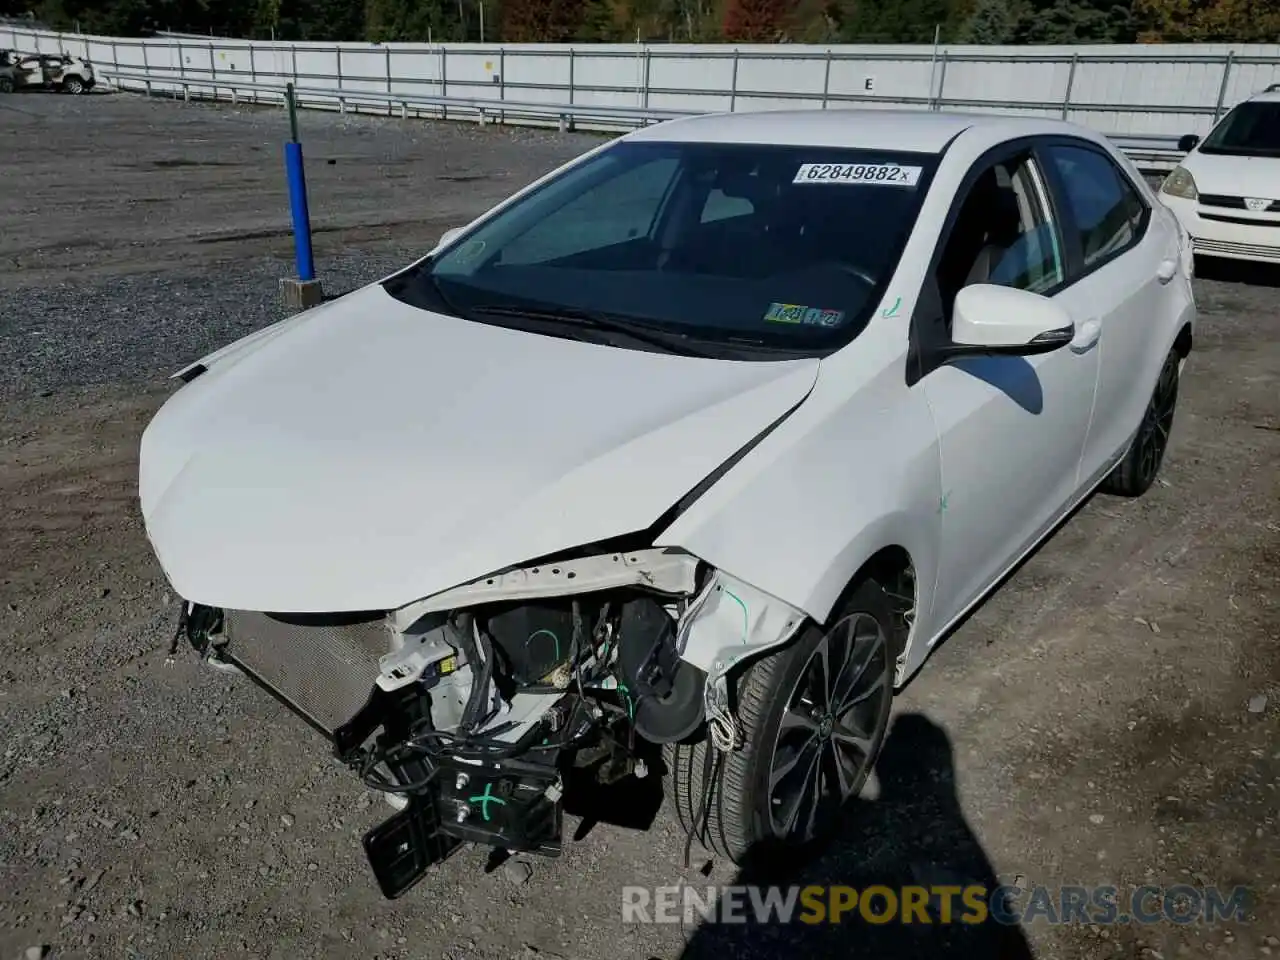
(484,109)
(1079,83)
(1149,152)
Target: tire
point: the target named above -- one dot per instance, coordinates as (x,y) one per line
(735,816)
(6,84)
(1135,474)
(73,85)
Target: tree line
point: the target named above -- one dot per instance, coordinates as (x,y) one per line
(675,21)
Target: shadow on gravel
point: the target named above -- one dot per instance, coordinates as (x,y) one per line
(914,834)
(1238,271)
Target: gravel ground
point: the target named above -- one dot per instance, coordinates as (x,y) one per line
(1110,716)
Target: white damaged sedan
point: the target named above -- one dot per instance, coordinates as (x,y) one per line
(678,461)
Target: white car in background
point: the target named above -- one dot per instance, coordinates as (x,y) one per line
(45,71)
(694,448)
(1226,191)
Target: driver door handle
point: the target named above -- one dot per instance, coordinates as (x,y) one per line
(1166,270)
(1087,336)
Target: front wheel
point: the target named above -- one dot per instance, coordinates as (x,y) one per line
(73,85)
(1135,474)
(814,716)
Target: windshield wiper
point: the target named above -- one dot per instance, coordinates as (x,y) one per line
(604,322)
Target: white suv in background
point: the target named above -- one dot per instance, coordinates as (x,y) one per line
(1226,191)
(45,71)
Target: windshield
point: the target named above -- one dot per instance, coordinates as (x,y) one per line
(1250,130)
(715,244)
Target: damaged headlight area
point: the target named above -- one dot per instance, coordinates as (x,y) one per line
(483,705)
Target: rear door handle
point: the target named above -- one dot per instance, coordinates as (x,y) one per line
(1165,272)
(1087,336)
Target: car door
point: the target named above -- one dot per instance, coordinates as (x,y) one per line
(29,72)
(1011,429)
(1127,264)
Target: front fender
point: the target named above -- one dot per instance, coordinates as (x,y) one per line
(852,471)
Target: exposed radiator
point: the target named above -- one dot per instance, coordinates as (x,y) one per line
(324,665)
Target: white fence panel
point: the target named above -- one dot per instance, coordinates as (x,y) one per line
(1160,90)
(316,66)
(673,74)
(97,50)
(416,70)
(864,78)
(231,61)
(271,64)
(534,77)
(364,70)
(773,75)
(132,55)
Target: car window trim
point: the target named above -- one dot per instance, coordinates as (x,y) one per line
(1049,209)
(929,328)
(1072,251)
(1057,185)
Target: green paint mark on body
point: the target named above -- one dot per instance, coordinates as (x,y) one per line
(485,799)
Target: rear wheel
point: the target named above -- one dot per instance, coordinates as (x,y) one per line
(73,85)
(1135,474)
(814,717)
(6,84)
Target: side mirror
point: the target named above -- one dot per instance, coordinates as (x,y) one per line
(1188,142)
(1004,321)
(447,237)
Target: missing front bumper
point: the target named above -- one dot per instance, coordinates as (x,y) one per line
(514,810)
(321,667)
(509,804)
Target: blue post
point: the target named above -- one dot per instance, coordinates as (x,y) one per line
(298,194)
(298,208)
(303,291)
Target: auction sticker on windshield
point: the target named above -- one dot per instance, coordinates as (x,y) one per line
(887,174)
(799,313)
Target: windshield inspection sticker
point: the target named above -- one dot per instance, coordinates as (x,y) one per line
(799,313)
(885,174)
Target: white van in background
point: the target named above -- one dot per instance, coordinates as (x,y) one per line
(1226,191)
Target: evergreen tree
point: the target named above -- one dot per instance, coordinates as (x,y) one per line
(992,21)
(756,21)
(542,21)
(680,21)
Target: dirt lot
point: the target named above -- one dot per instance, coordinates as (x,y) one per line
(1099,721)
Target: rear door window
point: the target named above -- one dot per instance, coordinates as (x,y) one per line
(1107,212)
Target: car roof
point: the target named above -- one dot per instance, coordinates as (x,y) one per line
(915,131)
(1267,96)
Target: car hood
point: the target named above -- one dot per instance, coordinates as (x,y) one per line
(1235,176)
(368,453)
